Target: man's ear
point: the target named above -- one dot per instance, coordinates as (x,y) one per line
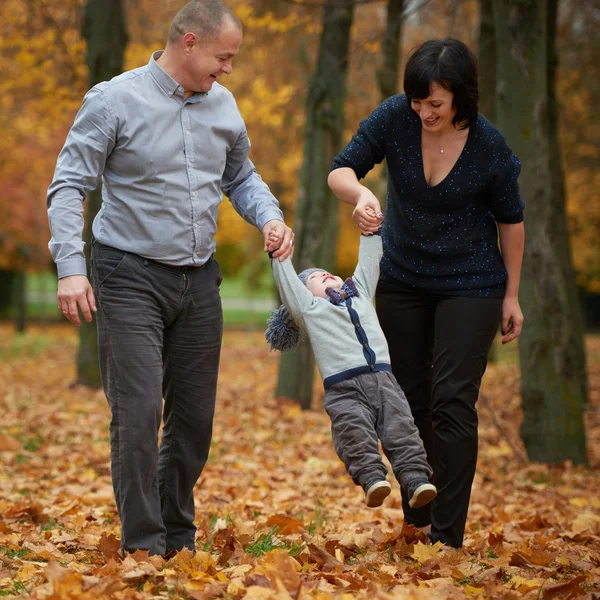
(189,40)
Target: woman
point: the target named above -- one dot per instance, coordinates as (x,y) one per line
(444,286)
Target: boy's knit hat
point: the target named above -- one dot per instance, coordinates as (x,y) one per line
(306,274)
(282,332)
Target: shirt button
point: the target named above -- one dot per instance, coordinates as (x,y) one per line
(357,325)
(187,132)
(366,345)
(372,367)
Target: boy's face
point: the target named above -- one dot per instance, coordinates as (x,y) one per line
(319,281)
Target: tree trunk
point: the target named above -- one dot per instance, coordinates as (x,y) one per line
(104,29)
(387,74)
(487,60)
(20,301)
(487,82)
(7,283)
(316,216)
(552,357)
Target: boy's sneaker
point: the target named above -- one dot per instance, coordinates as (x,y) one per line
(377,492)
(420,493)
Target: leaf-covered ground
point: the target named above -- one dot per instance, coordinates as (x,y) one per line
(278,517)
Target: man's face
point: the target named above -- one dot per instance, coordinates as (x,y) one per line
(319,281)
(207,61)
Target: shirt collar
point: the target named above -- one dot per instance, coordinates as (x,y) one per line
(164,80)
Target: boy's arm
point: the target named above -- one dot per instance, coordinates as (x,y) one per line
(366,274)
(292,291)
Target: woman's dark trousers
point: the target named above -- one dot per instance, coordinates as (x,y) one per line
(159,336)
(438,348)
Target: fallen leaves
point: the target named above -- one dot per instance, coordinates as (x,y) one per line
(277,516)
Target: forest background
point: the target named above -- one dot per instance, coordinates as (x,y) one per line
(278,517)
(44,77)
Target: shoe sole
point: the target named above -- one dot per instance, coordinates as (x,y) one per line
(376,496)
(423,495)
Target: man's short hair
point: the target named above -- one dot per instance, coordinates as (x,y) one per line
(202,17)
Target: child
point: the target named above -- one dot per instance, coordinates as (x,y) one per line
(362,397)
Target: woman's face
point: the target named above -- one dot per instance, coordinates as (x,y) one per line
(436,111)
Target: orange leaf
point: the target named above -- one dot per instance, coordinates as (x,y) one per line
(110,546)
(286,525)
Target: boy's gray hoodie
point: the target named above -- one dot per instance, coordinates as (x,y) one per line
(346,340)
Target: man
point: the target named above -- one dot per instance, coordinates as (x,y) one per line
(166,139)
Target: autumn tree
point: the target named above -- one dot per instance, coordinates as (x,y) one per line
(105,32)
(316,213)
(387,73)
(553,383)
(31,124)
(389,69)
(487,60)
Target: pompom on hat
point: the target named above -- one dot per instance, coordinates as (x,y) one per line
(282,332)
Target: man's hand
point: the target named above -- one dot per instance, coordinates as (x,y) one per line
(76,292)
(279,239)
(367,213)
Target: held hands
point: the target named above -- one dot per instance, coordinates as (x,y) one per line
(367,213)
(75,292)
(279,239)
(512,319)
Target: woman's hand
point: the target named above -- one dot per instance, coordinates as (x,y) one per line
(367,213)
(512,319)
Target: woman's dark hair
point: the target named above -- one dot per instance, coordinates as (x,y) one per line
(452,65)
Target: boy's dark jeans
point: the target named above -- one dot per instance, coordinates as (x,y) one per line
(159,336)
(438,348)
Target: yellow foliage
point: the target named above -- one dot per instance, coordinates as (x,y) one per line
(44,77)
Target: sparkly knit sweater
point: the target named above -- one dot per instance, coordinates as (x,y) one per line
(441,239)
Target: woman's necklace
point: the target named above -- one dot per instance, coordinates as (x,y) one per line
(446,142)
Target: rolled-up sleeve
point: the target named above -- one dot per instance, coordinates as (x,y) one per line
(504,198)
(78,171)
(367,146)
(248,193)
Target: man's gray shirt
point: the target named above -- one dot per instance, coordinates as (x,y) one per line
(163,162)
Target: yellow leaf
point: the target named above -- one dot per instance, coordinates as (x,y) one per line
(586,521)
(523,585)
(423,553)
(195,585)
(237,571)
(578,502)
(473,591)
(27,572)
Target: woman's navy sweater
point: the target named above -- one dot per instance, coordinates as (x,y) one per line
(444,238)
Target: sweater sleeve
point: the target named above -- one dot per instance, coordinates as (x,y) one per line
(504,199)
(367,146)
(366,274)
(293,293)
